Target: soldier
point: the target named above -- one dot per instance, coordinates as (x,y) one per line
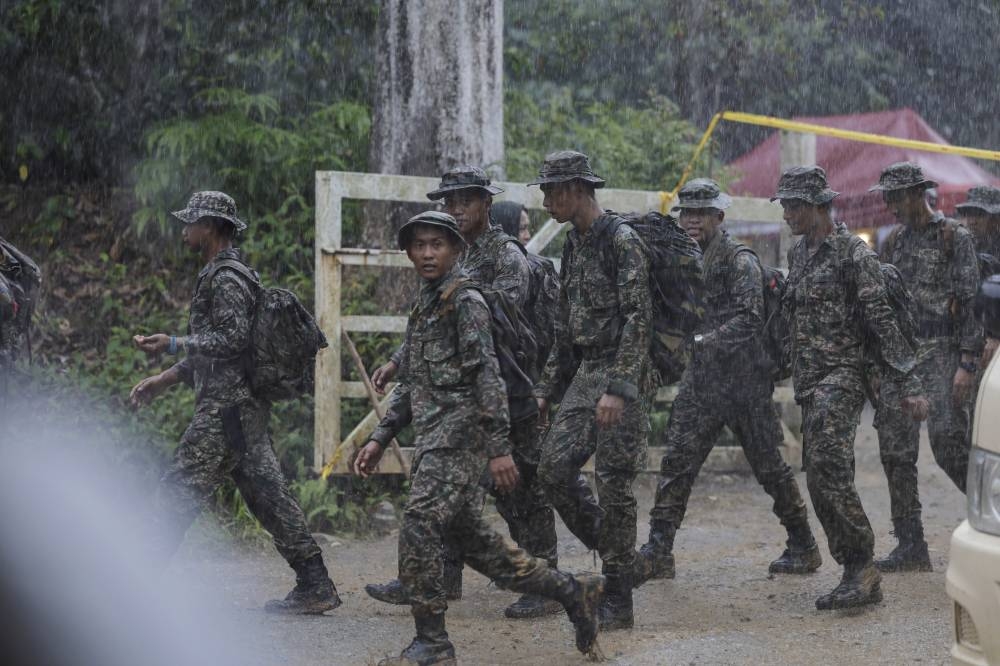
(727,383)
(981,215)
(494,261)
(937,260)
(228,433)
(834,299)
(20,279)
(452,392)
(602,354)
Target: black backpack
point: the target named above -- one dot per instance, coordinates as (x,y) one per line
(775,332)
(543,304)
(19,290)
(988,265)
(675,282)
(284,340)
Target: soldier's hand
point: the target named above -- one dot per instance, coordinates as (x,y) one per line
(368,459)
(962,386)
(504,473)
(152,344)
(543,413)
(383,375)
(609,410)
(150,387)
(916,407)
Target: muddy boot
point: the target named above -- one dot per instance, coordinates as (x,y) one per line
(582,609)
(389,593)
(452,580)
(429,646)
(910,554)
(313,594)
(859,586)
(801,554)
(533,605)
(655,559)
(616,607)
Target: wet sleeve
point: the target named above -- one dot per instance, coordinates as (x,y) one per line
(636,309)
(965,277)
(873,299)
(397,416)
(479,359)
(748,296)
(184,371)
(513,275)
(232,314)
(559,366)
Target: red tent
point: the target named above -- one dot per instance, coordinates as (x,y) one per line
(853,167)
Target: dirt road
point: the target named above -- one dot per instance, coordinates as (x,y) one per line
(721,609)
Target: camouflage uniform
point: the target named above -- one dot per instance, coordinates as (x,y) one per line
(19,278)
(941,271)
(725,384)
(228,435)
(984,200)
(450,389)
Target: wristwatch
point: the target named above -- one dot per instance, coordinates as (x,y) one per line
(968,366)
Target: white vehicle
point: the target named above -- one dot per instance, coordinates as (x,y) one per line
(973,579)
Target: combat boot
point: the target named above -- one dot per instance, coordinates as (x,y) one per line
(429,646)
(532,605)
(394,593)
(801,554)
(655,559)
(582,610)
(313,594)
(616,607)
(859,586)
(910,554)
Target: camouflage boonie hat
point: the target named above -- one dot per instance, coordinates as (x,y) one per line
(433,218)
(901,176)
(566,165)
(462,178)
(807,183)
(210,204)
(702,193)
(983,197)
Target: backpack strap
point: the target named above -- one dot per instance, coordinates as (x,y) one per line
(236,266)
(450,289)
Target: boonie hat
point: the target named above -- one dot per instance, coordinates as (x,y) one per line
(807,183)
(566,165)
(702,193)
(901,176)
(210,204)
(462,178)
(433,218)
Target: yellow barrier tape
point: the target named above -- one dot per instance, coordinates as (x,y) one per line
(338,453)
(821,130)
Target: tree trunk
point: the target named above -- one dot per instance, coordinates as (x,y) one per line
(439,95)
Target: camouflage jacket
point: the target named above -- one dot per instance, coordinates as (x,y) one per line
(218,334)
(449,382)
(734,313)
(495,262)
(19,279)
(600,316)
(826,293)
(942,274)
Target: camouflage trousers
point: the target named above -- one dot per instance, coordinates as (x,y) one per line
(619,453)
(445,506)
(949,428)
(697,417)
(230,441)
(830,416)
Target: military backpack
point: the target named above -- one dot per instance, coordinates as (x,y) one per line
(675,282)
(284,339)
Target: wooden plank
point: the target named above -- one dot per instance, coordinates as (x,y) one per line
(362,257)
(357,390)
(373,323)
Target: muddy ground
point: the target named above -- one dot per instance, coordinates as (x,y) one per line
(722,608)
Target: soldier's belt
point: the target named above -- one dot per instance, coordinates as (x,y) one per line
(935,329)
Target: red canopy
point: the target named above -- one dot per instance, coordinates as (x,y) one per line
(852,167)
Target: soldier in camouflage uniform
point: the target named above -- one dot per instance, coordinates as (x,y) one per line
(496,262)
(20,279)
(937,260)
(228,433)
(452,392)
(835,297)
(727,383)
(981,215)
(600,374)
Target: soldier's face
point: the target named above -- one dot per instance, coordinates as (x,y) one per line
(433,251)
(558,201)
(797,215)
(905,204)
(470,208)
(524,228)
(195,235)
(701,224)
(979,223)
